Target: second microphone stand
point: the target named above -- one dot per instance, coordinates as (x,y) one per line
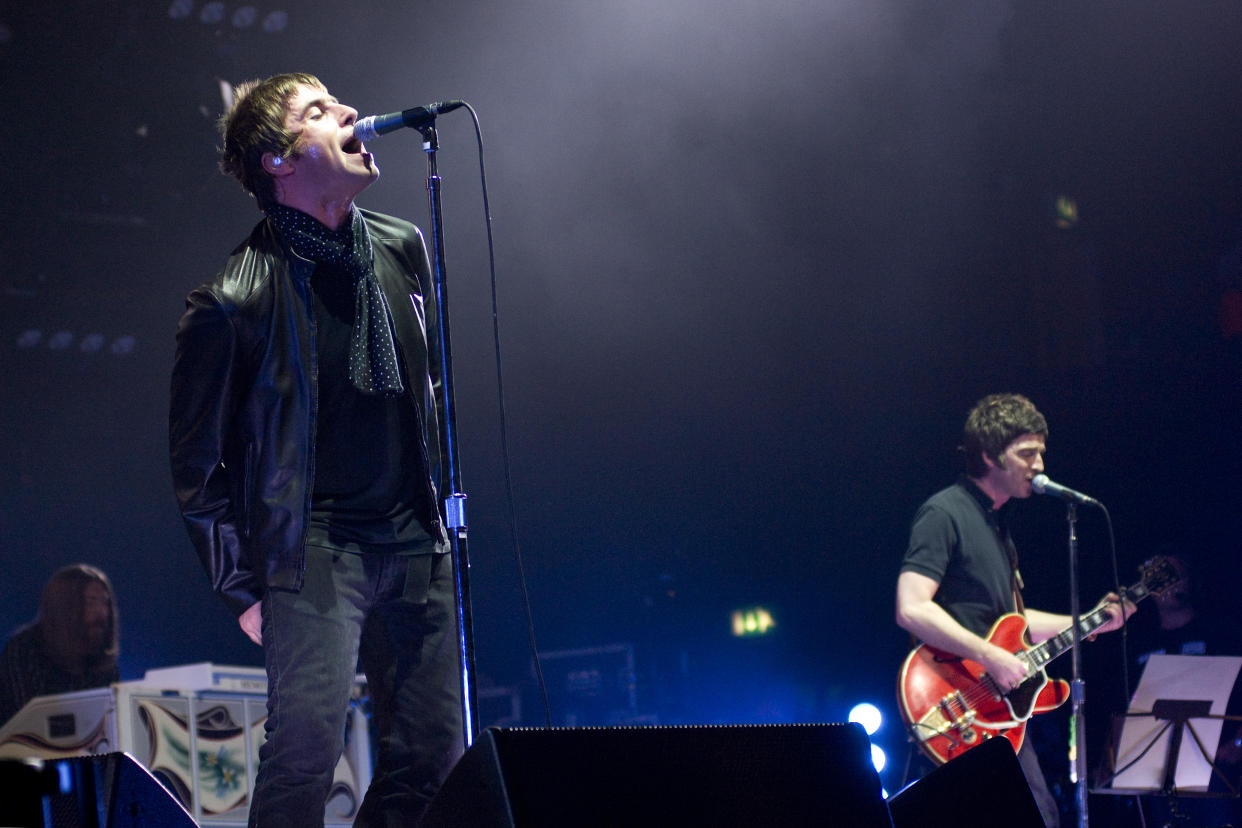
(1078,689)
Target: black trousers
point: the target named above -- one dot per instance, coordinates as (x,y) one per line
(1028,760)
(1047,803)
(395,615)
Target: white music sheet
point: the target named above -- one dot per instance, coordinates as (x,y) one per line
(1174,677)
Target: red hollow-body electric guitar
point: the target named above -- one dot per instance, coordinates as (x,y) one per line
(951,704)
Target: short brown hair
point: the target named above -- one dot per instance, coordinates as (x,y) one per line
(255,124)
(995,422)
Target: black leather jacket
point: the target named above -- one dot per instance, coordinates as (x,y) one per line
(244,402)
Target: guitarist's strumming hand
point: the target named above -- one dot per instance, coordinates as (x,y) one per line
(1006,669)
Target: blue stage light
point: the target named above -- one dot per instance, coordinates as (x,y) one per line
(867,715)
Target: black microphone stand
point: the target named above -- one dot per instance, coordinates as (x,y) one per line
(455,502)
(1078,689)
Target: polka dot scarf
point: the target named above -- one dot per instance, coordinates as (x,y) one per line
(372,352)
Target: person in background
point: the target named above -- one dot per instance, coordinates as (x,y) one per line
(71,645)
(1186,625)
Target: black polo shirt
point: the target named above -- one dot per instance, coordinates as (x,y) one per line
(960,541)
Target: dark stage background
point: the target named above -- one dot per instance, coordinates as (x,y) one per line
(756,260)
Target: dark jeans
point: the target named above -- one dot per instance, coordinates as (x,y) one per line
(1028,760)
(396,615)
(1039,785)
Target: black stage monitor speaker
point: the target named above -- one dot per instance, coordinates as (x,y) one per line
(787,775)
(984,787)
(107,791)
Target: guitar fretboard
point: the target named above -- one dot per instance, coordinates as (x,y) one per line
(1062,642)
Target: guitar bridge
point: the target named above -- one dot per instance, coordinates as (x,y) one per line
(950,714)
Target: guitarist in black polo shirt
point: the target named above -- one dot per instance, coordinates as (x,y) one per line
(960,574)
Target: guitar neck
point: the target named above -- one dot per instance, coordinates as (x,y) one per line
(1063,641)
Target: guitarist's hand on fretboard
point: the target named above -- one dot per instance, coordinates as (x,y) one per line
(1111,605)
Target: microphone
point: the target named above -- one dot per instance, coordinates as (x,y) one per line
(1042,485)
(373,126)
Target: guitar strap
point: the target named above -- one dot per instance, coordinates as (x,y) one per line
(1015,579)
(1015,574)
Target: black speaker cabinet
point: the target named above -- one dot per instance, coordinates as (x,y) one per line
(984,788)
(107,791)
(788,775)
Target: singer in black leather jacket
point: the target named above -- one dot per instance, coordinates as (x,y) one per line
(242,415)
(305,444)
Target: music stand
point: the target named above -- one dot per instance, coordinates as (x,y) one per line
(1176,694)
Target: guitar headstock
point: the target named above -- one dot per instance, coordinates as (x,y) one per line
(1159,574)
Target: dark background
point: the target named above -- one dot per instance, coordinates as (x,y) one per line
(755,262)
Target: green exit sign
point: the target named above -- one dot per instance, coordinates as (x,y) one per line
(749,623)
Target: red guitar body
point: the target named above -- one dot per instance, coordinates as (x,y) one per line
(950,704)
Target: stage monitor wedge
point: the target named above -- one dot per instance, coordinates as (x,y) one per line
(103,791)
(788,775)
(986,780)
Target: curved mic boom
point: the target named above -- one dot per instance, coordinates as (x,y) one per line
(1040,484)
(373,126)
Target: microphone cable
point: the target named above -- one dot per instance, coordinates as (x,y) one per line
(1121,593)
(506,462)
